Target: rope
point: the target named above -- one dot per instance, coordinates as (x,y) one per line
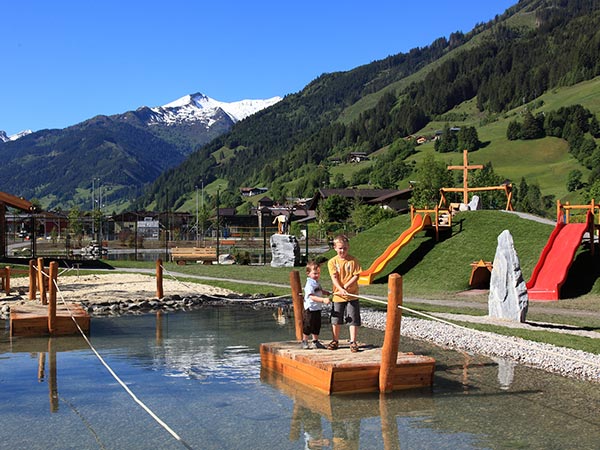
(491,335)
(116,377)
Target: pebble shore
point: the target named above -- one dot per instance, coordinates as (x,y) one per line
(560,360)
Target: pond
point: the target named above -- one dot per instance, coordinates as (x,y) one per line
(199,373)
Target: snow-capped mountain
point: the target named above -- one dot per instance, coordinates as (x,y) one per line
(200,108)
(13,137)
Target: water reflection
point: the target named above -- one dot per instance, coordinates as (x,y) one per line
(200,372)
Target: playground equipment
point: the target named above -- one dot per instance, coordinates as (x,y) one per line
(507,187)
(420,219)
(442,219)
(13,202)
(553,266)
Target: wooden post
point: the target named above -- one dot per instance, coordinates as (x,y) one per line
(7,279)
(159,279)
(391,340)
(32,279)
(53,274)
(41,281)
(298,301)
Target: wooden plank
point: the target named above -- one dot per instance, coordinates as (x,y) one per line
(340,372)
(32,320)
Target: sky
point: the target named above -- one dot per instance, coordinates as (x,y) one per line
(66,61)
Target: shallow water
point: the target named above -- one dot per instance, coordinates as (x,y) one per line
(200,373)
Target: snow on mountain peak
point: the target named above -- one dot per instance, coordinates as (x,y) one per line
(13,137)
(199,106)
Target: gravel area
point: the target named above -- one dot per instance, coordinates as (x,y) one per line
(560,360)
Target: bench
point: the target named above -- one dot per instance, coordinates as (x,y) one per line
(206,255)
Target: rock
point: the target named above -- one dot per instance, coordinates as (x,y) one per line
(474,204)
(285,250)
(226,259)
(508,294)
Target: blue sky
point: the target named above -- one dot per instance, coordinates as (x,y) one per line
(66,61)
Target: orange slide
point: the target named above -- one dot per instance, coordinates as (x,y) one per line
(551,269)
(419,222)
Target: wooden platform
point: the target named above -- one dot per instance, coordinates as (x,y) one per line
(341,371)
(32,320)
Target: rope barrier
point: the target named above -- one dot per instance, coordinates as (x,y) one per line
(486,333)
(116,377)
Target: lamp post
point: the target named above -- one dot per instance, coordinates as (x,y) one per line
(197,221)
(218,225)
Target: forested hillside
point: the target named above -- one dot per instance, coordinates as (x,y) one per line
(536,46)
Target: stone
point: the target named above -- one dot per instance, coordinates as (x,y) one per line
(226,259)
(508,293)
(475,203)
(285,250)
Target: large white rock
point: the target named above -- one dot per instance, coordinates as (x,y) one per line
(475,203)
(285,250)
(508,293)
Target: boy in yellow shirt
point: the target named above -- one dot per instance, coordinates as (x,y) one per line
(344,270)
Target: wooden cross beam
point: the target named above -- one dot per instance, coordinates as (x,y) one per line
(465,168)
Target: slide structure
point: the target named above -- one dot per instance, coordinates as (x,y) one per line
(419,222)
(557,256)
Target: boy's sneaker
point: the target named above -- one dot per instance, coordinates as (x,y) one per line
(318,344)
(305,345)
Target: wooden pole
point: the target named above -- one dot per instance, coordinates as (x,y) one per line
(297,301)
(159,279)
(391,340)
(41,281)
(32,279)
(53,274)
(7,279)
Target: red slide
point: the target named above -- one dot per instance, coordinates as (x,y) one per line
(551,270)
(419,222)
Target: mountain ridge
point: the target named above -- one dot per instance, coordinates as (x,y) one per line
(125,151)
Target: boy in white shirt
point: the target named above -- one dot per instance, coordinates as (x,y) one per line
(314,299)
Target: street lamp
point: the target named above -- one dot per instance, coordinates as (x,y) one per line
(197,221)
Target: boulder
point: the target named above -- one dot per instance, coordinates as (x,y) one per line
(475,203)
(508,293)
(285,250)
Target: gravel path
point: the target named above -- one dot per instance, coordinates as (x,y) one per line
(560,360)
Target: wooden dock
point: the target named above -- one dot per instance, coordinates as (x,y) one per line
(340,371)
(31,319)
(46,317)
(372,369)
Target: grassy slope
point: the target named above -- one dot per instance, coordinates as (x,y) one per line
(437,268)
(542,161)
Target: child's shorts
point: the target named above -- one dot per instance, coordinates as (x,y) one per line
(346,313)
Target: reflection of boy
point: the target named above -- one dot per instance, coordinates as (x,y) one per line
(304,418)
(314,298)
(344,270)
(346,434)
